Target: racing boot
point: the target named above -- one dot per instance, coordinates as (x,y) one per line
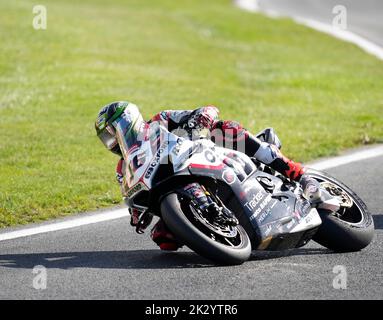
(162,236)
(231,134)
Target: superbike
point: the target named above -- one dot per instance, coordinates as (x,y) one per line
(250,207)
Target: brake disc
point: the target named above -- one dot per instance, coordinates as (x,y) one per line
(225,231)
(344,199)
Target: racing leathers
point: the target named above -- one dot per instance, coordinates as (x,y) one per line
(229,134)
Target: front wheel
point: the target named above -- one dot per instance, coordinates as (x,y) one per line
(224,245)
(351,228)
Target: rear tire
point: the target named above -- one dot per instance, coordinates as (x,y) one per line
(195,239)
(343,235)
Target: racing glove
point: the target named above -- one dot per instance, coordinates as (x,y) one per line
(204,117)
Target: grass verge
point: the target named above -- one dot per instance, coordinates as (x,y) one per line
(321,95)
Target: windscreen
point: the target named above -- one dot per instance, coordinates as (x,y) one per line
(128,132)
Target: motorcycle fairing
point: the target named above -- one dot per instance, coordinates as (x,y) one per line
(275,214)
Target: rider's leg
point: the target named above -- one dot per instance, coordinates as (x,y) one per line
(234,136)
(238,138)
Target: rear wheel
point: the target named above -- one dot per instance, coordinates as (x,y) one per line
(221,244)
(351,228)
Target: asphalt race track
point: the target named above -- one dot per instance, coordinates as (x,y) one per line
(364,18)
(109,260)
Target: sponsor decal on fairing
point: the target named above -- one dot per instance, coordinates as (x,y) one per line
(135,189)
(156,160)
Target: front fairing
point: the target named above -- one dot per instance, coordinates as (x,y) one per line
(134,148)
(279,211)
(144,150)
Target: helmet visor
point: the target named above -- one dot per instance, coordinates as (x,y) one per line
(108,137)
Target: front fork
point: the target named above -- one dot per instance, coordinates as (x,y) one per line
(199,194)
(207,202)
(193,191)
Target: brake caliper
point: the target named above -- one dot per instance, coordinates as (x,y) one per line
(221,215)
(214,213)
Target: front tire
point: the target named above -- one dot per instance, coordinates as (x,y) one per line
(181,224)
(352,230)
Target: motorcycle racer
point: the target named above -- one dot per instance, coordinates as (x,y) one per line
(231,135)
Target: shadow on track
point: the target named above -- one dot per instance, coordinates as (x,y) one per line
(133,259)
(378,221)
(266,255)
(129,259)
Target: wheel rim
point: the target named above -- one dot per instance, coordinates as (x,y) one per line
(226,235)
(342,196)
(350,211)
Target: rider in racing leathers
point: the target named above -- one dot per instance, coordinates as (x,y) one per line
(232,135)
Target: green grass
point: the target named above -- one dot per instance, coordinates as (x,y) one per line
(321,95)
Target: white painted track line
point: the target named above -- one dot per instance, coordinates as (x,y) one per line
(122,213)
(68,224)
(345,35)
(348,158)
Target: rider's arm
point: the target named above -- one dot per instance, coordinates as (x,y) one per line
(172,119)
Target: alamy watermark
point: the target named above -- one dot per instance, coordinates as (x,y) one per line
(340,19)
(39,21)
(40,280)
(340,280)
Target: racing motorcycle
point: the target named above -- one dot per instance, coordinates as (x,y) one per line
(270,211)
